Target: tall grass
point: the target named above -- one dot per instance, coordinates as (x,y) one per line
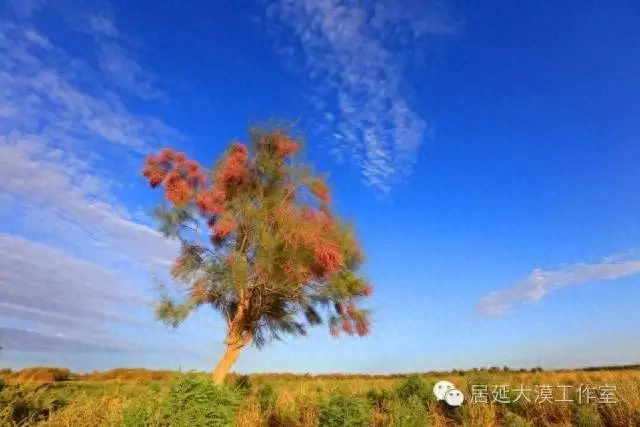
(119,398)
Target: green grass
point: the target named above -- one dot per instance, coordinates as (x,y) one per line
(286,400)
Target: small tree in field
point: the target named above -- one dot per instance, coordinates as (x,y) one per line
(259,244)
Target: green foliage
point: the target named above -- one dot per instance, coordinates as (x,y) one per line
(587,416)
(266,397)
(143,411)
(195,401)
(415,386)
(344,411)
(243,384)
(407,413)
(379,398)
(138,415)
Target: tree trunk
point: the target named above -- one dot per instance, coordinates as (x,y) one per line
(224,365)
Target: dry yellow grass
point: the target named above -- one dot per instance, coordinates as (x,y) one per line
(101,402)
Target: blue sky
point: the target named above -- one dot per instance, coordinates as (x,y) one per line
(486,152)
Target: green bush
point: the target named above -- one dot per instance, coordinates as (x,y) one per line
(136,416)
(416,386)
(243,384)
(142,411)
(266,397)
(407,413)
(587,416)
(379,398)
(344,411)
(194,401)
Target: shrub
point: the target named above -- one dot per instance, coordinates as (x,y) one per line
(243,384)
(379,398)
(344,411)
(195,401)
(408,413)
(266,397)
(142,411)
(586,416)
(414,385)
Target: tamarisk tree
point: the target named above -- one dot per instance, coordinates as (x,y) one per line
(259,244)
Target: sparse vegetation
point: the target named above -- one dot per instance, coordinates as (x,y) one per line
(139,397)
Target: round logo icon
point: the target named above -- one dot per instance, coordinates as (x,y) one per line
(441,388)
(454,397)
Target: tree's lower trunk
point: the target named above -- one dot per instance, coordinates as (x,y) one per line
(224,365)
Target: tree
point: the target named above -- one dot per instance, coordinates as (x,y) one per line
(259,244)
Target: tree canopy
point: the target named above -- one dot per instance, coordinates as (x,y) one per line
(258,243)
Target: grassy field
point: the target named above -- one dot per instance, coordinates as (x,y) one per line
(137,397)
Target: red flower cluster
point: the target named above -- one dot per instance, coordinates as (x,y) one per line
(285,147)
(211,202)
(351,309)
(179,157)
(181,177)
(367,291)
(223,227)
(363,327)
(347,326)
(328,257)
(153,171)
(166,155)
(320,190)
(357,324)
(234,170)
(177,188)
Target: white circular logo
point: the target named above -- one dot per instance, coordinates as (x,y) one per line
(441,388)
(454,397)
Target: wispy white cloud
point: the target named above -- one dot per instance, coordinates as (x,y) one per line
(102,25)
(39,277)
(75,263)
(354,55)
(117,61)
(45,91)
(126,72)
(35,340)
(64,195)
(541,282)
(26,8)
(35,37)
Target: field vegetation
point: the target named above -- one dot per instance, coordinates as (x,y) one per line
(46,396)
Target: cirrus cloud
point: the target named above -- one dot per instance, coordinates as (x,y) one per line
(541,282)
(354,53)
